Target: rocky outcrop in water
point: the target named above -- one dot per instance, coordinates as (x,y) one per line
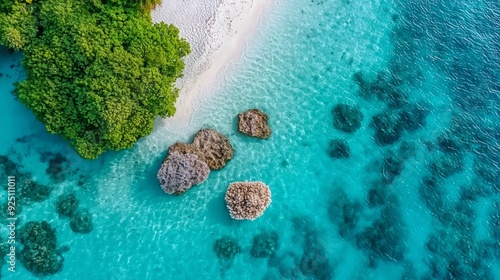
(247,200)
(254,123)
(39,254)
(209,146)
(181,171)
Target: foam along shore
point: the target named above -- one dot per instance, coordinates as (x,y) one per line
(217,31)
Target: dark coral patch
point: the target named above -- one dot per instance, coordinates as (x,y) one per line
(347,118)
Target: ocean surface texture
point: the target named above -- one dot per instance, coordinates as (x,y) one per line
(383,162)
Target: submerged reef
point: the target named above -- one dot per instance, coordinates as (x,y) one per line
(384,239)
(455,256)
(447,164)
(39,254)
(347,118)
(311,261)
(390,124)
(265,244)
(179,172)
(392,167)
(247,200)
(388,128)
(384,88)
(339,148)
(434,196)
(32,191)
(8,166)
(314,262)
(66,204)
(58,165)
(495,220)
(254,123)
(413,117)
(210,146)
(81,222)
(28,190)
(226,247)
(343,213)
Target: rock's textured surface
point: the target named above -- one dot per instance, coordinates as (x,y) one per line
(247,200)
(179,172)
(210,146)
(254,123)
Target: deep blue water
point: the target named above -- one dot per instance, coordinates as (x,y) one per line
(418,198)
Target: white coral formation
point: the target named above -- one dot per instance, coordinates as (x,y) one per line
(247,200)
(179,172)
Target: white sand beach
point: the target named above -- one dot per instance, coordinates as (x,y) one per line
(217,31)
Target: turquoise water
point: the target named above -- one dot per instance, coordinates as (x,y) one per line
(422,207)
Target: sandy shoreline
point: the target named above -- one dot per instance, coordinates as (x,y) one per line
(217,31)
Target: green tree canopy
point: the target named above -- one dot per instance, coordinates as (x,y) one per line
(98,72)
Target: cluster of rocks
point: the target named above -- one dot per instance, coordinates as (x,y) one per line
(81,220)
(265,244)
(348,119)
(187,165)
(39,254)
(210,146)
(247,200)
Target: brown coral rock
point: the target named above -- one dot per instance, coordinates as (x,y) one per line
(210,146)
(179,172)
(254,123)
(247,200)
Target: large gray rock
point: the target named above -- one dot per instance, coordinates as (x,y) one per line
(254,123)
(179,172)
(210,146)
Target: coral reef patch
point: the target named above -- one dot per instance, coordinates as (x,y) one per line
(247,200)
(254,123)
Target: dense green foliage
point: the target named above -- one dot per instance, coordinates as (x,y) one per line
(98,71)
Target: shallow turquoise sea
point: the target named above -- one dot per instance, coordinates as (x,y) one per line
(424,204)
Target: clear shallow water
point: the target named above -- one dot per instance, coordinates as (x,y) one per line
(301,64)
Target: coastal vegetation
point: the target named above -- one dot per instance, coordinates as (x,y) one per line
(97,72)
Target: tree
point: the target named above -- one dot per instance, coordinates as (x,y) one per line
(97,74)
(149,4)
